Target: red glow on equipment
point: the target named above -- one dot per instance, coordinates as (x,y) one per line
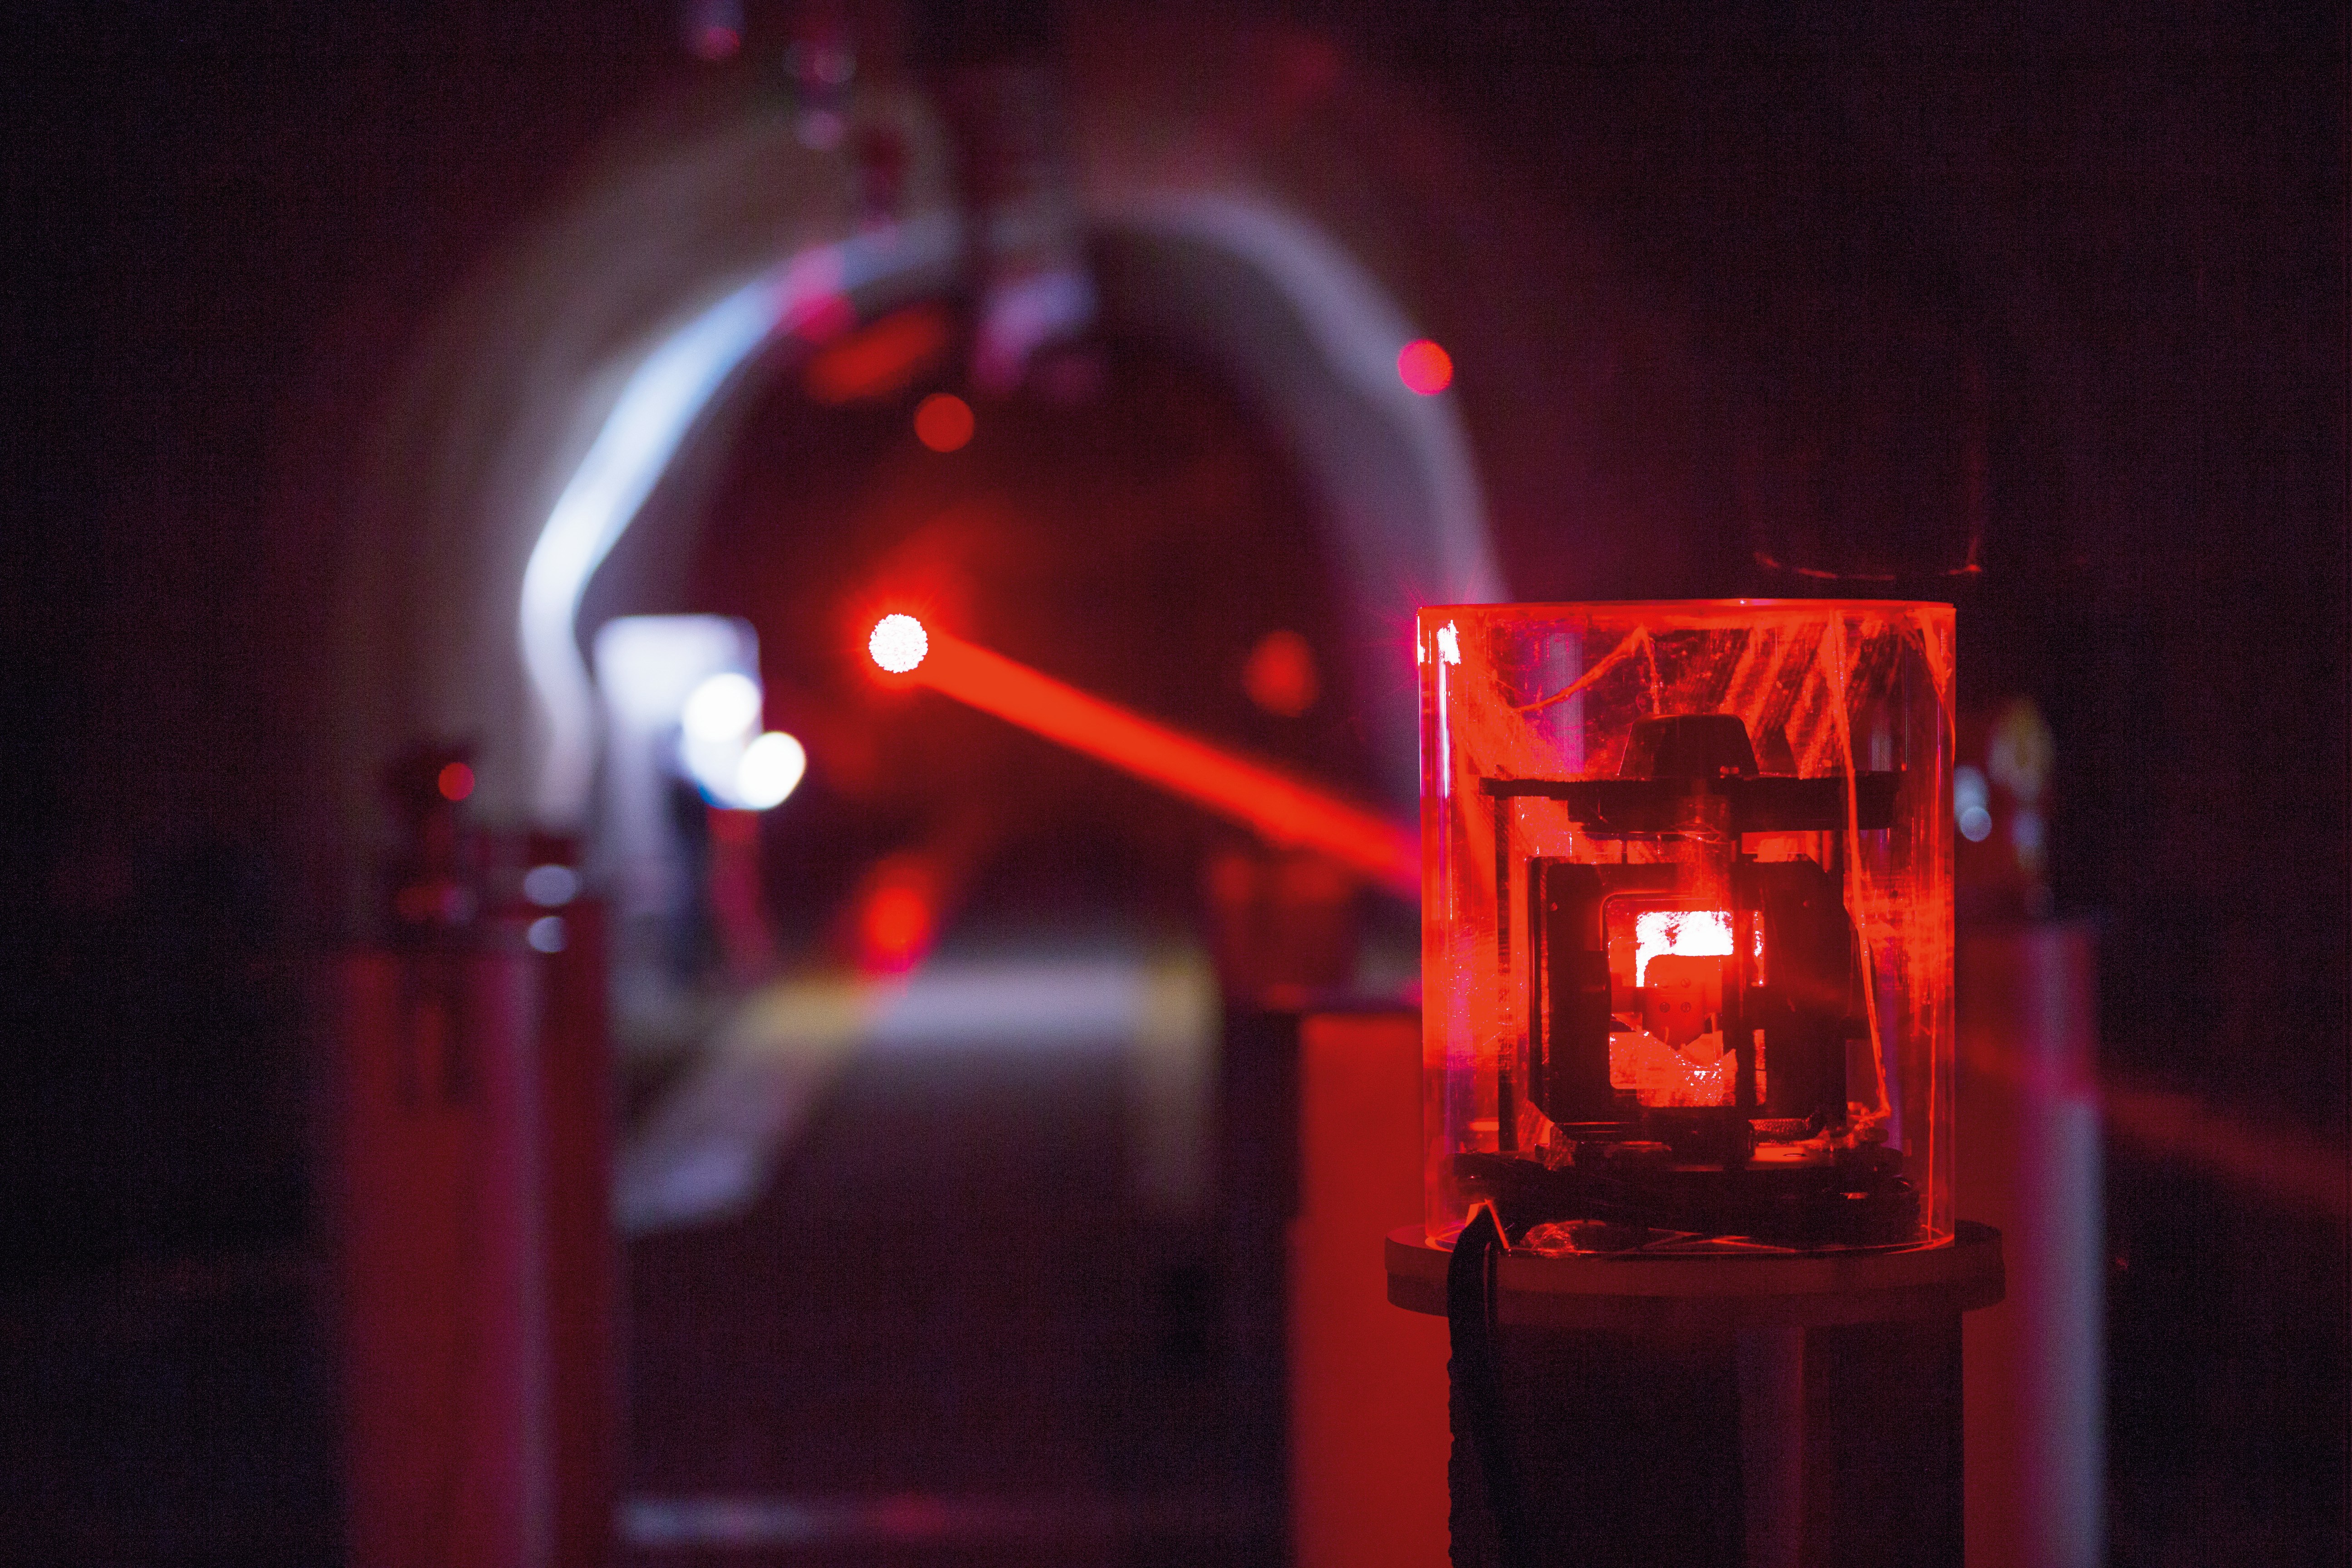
(1425,367)
(943,422)
(455,782)
(1278,808)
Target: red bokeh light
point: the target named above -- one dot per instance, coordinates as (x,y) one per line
(883,359)
(1280,676)
(943,422)
(455,782)
(1426,367)
(898,914)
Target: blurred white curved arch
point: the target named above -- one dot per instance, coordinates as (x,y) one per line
(1358,330)
(1432,546)
(659,405)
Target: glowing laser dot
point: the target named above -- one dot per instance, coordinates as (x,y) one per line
(943,422)
(1425,367)
(1693,933)
(898,643)
(455,782)
(771,768)
(722,708)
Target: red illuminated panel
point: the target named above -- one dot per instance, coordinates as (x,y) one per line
(1280,810)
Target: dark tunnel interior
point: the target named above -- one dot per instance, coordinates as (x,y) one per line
(2038,311)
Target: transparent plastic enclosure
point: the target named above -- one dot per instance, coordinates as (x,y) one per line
(1686,923)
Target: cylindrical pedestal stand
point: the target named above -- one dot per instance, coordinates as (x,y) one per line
(1770,1411)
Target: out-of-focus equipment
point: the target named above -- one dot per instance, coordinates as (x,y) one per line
(1688,1038)
(2031,1096)
(686,762)
(469,1192)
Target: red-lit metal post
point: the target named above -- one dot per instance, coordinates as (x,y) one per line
(470,1196)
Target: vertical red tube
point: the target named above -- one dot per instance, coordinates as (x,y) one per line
(1369,1437)
(440,1200)
(582,1290)
(2030,1164)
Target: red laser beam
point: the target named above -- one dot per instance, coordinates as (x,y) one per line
(1277,807)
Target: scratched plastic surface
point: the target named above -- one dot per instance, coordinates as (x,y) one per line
(1687,922)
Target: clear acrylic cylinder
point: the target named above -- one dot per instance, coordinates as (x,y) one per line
(1686,923)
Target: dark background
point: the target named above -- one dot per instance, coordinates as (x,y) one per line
(2061,290)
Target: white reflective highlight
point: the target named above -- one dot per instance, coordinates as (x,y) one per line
(546,934)
(771,767)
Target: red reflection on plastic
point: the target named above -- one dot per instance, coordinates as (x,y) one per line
(455,782)
(1280,809)
(1426,367)
(943,422)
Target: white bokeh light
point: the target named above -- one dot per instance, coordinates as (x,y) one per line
(551,886)
(722,708)
(771,769)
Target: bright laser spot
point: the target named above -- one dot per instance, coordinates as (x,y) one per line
(1278,808)
(943,422)
(1693,933)
(1425,367)
(722,708)
(455,782)
(898,643)
(771,768)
